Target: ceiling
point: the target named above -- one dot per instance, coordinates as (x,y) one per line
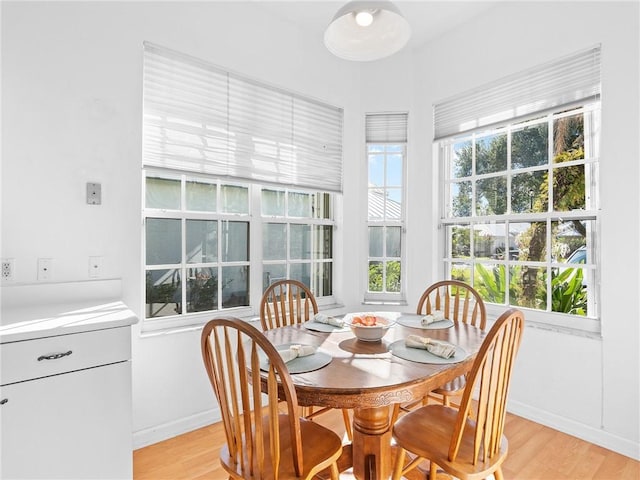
(428,19)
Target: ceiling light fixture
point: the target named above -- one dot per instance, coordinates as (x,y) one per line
(365,31)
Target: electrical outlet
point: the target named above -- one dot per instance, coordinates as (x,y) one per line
(45,269)
(8,267)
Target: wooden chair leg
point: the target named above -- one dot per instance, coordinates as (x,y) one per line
(335,474)
(433,471)
(347,424)
(397,469)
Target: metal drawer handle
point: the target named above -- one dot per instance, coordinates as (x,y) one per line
(54,356)
(3,401)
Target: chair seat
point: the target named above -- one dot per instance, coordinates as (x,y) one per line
(427,433)
(320,447)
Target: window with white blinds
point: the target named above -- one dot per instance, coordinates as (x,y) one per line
(566,81)
(519,164)
(200,118)
(386,137)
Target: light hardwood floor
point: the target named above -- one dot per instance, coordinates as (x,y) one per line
(535,452)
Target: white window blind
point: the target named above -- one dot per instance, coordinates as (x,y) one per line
(201,118)
(386,127)
(564,81)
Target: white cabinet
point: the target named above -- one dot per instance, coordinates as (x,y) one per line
(65,395)
(70,426)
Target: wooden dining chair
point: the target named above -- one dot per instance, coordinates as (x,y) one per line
(460,303)
(286,302)
(467,443)
(290,302)
(262,442)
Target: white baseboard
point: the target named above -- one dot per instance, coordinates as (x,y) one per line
(156,434)
(587,433)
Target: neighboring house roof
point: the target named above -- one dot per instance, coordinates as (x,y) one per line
(377,205)
(498,229)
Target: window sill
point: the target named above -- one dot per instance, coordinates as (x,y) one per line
(195,326)
(565,330)
(180,324)
(332,307)
(553,322)
(395,303)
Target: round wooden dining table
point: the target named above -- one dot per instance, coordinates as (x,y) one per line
(368,378)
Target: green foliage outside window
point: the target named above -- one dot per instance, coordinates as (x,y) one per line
(393,276)
(393,280)
(568,293)
(375,277)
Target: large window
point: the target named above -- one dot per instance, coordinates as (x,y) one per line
(520,212)
(386,165)
(240,180)
(198,243)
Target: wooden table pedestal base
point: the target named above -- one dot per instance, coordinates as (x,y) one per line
(372,442)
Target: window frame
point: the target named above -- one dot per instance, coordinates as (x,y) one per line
(591,108)
(386,297)
(255,262)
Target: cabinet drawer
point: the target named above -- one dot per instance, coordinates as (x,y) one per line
(50,356)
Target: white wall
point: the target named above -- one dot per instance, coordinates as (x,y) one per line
(71,113)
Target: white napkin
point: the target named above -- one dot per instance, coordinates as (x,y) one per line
(321,318)
(436,347)
(295,351)
(436,316)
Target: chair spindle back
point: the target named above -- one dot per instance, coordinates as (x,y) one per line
(286,302)
(231,351)
(459,301)
(490,377)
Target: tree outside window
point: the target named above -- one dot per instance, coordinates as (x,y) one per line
(521,203)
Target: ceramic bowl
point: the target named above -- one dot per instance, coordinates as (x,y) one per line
(369,333)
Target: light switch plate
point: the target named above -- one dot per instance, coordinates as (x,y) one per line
(45,269)
(95,267)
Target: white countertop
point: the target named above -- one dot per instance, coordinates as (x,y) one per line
(73,311)
(48,321)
